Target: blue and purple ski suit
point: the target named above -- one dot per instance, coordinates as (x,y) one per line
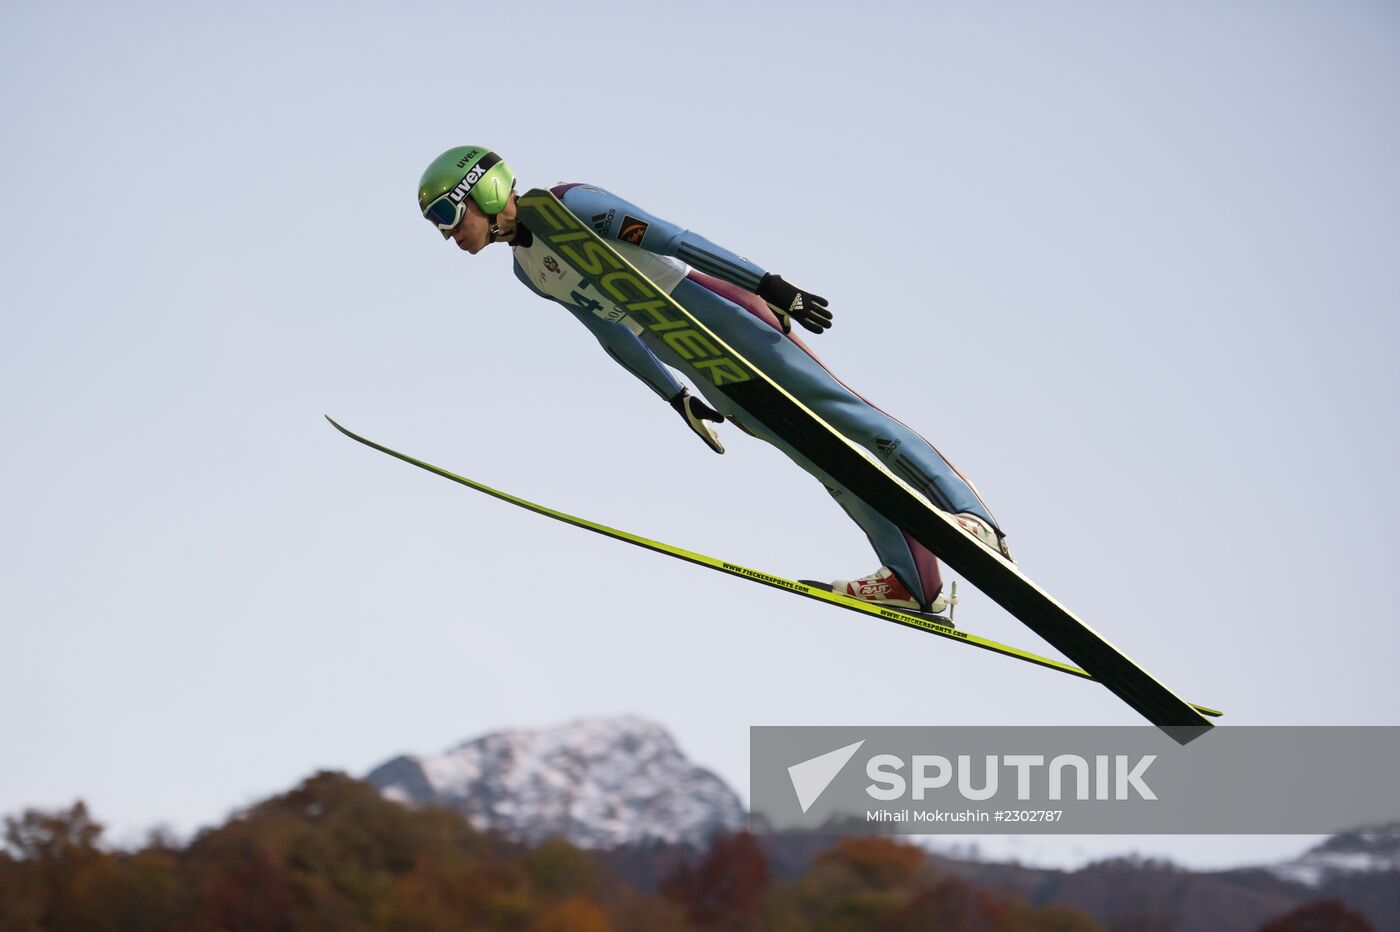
(717,286)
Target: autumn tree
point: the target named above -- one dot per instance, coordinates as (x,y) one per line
(576,914)
(726,887)
(64,836)
(880,863)
(1323,916)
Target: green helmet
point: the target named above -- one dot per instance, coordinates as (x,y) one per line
(474,170)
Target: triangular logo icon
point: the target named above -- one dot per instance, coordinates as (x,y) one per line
(811,777)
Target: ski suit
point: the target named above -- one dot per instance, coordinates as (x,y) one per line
(717,286)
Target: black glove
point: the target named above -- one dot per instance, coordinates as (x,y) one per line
(790,302)
(696,413)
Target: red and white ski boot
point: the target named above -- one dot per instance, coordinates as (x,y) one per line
(883,587)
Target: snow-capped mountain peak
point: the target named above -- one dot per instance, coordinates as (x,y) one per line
(1363,851)
(598,783)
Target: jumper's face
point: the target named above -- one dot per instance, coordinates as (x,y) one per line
(473,233)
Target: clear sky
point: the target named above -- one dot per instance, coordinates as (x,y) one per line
(1133,267)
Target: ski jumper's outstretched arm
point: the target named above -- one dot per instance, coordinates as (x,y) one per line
(660,249)
(621,221)
(665,253)
(634,229)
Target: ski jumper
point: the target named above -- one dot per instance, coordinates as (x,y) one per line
(717,286)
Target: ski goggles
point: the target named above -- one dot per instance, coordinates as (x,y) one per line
(446,211)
